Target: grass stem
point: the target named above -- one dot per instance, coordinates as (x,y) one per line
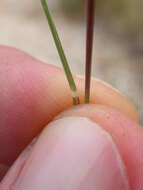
(89,46)
(61,53)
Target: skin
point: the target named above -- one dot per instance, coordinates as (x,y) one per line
(32,94)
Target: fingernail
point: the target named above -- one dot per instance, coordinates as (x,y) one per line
(73,153)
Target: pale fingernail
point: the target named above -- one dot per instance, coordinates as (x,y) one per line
(73,153)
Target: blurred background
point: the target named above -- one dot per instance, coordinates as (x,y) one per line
(118,42)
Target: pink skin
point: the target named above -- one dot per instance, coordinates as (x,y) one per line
(70,154)
(32,93)
(20,103)
(127,135)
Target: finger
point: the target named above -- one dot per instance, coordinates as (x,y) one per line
(127,135)
(71,154)
(3,170)
(32,93)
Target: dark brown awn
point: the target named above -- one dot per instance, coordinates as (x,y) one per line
(89,46)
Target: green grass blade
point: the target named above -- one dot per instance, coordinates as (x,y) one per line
(61,53)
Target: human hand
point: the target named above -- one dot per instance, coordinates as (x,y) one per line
(85,147)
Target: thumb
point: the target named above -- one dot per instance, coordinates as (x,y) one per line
(72,153)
